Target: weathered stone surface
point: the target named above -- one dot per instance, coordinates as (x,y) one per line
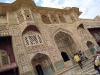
(40,35)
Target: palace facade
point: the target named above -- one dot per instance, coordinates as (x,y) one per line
(38,40)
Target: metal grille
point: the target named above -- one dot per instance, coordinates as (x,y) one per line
(32,40)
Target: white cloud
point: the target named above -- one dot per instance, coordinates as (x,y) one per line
(86,6)
(7,1)
(36,1)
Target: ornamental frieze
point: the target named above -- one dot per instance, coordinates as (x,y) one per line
(4,33)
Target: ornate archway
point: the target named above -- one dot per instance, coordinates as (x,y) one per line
(65,43)
(42,64)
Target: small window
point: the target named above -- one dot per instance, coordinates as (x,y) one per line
(4,58)
(32,39)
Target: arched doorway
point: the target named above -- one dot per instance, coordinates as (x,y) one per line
(65,56)
(65,44)
(42,65)
(90,45)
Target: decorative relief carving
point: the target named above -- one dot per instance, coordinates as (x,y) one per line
(17,39)
(36,48)
(4,33)
(19,48)
(22,58)
(83,33)
(92,24)
(54,57)
(14,30)
(3,27)
(27,15)
(20,17)
(4,30)
(25,68)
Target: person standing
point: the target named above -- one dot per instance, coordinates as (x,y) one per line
(78,60)
(96,64)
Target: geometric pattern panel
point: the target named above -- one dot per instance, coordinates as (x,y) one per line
(31,40)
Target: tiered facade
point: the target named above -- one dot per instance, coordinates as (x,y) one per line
(42,41)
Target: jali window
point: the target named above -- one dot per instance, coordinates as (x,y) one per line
(32,39)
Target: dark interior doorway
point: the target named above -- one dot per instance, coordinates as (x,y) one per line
(14,71)
(39,70)
(65,56)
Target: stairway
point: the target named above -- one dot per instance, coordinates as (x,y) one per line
(88,69)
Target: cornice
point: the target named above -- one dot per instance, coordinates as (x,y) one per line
(15,5)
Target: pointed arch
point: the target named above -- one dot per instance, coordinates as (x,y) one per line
(62,30)
(30,28)
(90,45)
(31,36)
(39,56)
(80,26)
(65,43)
(41,63)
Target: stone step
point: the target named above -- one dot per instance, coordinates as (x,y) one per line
(88,69)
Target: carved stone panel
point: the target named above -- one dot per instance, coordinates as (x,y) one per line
(20,48)
(14,30)
(25,68)
(17,39)
(20,17)
(22,58)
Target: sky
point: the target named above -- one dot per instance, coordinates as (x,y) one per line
(89,8)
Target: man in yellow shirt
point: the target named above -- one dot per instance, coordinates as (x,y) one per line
(78,60)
